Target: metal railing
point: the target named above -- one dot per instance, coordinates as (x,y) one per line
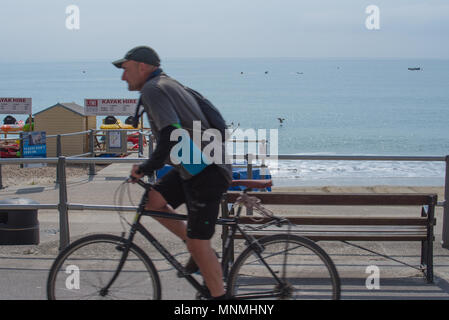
(63,206)
(93,151)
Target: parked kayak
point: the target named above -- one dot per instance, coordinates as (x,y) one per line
(18,126)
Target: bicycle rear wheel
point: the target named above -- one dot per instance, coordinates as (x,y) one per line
(291,267)
(83,269)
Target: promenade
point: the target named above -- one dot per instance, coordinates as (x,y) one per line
(24,269)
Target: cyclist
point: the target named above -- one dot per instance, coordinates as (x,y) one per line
(200,184)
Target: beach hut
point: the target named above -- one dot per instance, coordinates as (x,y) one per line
(65,118)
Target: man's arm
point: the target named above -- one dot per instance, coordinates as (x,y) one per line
(162,151)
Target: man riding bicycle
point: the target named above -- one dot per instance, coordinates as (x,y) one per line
(200,185)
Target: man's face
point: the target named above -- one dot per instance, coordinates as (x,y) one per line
(135,74)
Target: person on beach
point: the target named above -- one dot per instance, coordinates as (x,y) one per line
(199,185)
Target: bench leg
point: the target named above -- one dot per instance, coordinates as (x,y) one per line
(423,253)
(429,242)
(429,274)
(429,261)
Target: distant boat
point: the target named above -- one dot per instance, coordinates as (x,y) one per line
(414,69)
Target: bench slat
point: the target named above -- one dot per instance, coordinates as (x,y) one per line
(350,237)
(400,199)
(326,220)
(324,228)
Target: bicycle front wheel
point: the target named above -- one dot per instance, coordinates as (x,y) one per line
(84,269)
(284,267)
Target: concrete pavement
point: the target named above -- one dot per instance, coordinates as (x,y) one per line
(24,269)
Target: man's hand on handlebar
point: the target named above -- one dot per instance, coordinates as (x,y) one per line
(136,174)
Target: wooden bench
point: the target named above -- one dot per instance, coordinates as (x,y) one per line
(411,228)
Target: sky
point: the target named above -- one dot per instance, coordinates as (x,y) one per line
(33,30)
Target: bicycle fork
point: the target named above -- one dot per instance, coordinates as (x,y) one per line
(126,246)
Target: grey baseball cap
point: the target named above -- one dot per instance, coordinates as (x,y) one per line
(140,54)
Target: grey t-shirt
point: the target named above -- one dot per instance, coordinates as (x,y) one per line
(167,103)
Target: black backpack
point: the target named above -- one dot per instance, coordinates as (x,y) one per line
(210,112)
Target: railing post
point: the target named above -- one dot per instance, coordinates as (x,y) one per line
(263,151)
(64,235)
(58,154)
(58,146)
(150,145)
(92,152)
(228,260)
(249,166)
(445,233)
(249,175)
(152,178)
(140,144)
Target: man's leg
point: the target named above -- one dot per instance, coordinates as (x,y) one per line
(156,202)
(207,261)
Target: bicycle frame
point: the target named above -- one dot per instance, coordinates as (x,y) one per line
(138,227)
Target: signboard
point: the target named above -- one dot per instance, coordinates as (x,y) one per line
(116,141)
(107,107)
(34,145)
(15,105)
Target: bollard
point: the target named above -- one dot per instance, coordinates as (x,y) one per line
(64,236)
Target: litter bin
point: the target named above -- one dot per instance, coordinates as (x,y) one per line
(18,226)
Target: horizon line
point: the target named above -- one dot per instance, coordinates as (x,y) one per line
(224,58)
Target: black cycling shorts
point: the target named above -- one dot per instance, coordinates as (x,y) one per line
(201,194)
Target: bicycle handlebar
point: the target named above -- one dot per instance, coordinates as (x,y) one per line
(140,182)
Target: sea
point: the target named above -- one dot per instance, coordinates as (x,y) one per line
(317,107)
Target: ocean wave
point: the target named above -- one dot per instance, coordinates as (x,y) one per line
(315,170)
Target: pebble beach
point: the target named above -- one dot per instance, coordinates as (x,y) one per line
(15,176)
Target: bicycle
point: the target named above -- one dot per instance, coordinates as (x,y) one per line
(281,266)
